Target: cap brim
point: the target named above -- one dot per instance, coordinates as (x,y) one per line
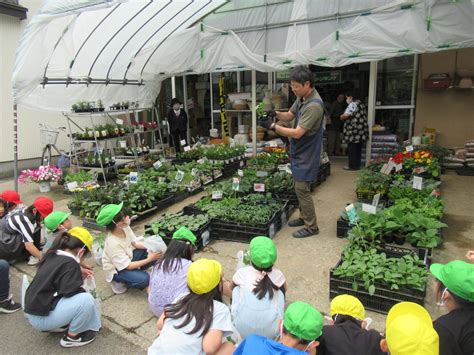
(66,216)
(411,309)
(436,270)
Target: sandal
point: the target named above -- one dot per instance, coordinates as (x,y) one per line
(305,232)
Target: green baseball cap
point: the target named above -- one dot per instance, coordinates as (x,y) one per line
(54,219)
(185,234)
(107,214)
(457,276)
(303,321)
(263,252)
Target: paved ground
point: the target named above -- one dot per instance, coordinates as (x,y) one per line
(130,328)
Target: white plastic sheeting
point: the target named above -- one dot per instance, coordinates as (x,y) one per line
(121,50)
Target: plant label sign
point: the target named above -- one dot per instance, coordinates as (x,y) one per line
(194,172)
(119,121)
(369,208)
(183,142)
(72,185)
(241,164)
(201,161)
(417,183)
(375,200)
(187,148)
(352,214)
(235,184)
(205,237)
(262,173)
(409,148)
(384,169)
(157,164)
(240,172)
(398,167)
(207,180)
(123,144)
(259,187)
(216,195)
(271,231)
(133,177)
(179,176)
(273,144)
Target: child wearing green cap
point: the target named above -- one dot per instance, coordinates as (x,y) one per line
(124,259)
(56,223)
(168,278)
(196,322)
(258,300)
(347,334)
(299,334)
(454,288)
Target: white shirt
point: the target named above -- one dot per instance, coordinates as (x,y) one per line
(118,253)
(174,341)
(248,277)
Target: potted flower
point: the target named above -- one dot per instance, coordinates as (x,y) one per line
(43,176)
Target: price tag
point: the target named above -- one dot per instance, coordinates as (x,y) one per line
(375,200)
(369,208)
(240,172)
(241,164)
(183,142)
(216,195)
(205,237)
(133,177)
(398,167)
(207,180)
(217,174)
(201,161)
(123,144)
(352,214)
(417,182)
(194,172)
(259,187)
(119,121)
(157,164)
(235,184)
(262,173)
(409,148)
(273,144)
(72,185)
(187,148)
(179,176)
(386,169)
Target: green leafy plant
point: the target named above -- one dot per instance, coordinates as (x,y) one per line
(167,224)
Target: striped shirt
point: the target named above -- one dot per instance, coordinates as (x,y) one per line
(19,223)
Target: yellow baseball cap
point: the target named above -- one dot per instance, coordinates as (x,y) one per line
(347,305)
(204,275)
(409,331)
(83,235)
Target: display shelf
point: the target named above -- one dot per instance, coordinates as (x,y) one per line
(108,112)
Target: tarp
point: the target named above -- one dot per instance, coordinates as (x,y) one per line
(79,50)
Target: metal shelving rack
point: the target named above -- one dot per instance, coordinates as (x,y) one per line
(102,144)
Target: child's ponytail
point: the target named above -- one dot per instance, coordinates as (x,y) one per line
(264,285)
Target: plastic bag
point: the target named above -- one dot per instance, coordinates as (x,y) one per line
(243,259)
(90,286)
(98,250)
(25,283)
(155,244)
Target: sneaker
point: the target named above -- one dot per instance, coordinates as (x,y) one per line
(9,306)
(33,260)
(118,287)
(296,222)
(81,339)
(305,232)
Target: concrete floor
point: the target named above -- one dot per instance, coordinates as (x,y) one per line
(130,328)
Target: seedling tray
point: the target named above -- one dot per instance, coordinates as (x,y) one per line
(397,251)
(465,171)
(342,228)
(165,202)
(381,301)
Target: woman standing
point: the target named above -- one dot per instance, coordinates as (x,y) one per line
(178,123)
(355,131)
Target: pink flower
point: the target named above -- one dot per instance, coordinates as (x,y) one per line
(42,174)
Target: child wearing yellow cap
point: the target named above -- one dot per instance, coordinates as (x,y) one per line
(409,331)
(55,300)
(454,288)
(124,259)
(168,277)
(347,334)
(196,323)
(299,333)
(258,300)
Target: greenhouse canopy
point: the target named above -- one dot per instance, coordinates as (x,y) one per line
(85,50)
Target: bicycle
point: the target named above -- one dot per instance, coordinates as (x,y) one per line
(48,138)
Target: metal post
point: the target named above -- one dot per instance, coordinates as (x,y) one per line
(173,87)
(212,100)
(270,82)
(15,146)
(185,101)
(239,115)
(413,94)
(155,108)
(371,108)
(254,113)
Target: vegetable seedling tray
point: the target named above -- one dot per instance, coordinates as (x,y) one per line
(342,228)
(381,301)
(166,201)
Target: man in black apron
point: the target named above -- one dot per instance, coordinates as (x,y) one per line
(305,145)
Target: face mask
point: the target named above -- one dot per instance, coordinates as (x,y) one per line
(442,301)
(348,101)
(127,223)
(176,107)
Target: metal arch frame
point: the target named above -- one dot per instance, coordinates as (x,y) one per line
(115,34)
(133,35)
(164,39)
(148,39)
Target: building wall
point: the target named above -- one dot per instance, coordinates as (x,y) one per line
(450,111)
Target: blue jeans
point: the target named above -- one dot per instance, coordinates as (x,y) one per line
(78,311)
(4,280)
(135,278)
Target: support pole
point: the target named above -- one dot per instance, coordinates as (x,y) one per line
(173,87)
(413,94)
(371,108)
(212,100)
(239,115)
(15,146)
(185,102)
(254,113)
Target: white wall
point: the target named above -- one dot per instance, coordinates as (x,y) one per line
(11,30)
